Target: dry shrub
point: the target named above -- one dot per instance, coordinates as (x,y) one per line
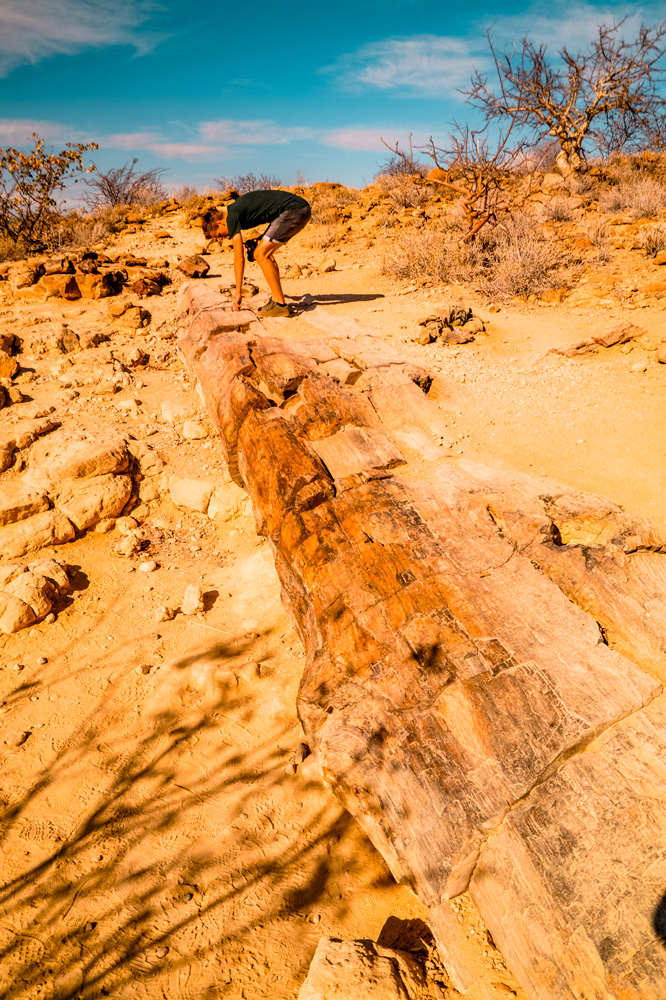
(403,191)
(323,236)
(328,204)
(653,240)
(513,260)
(643,199)
(599,236)
(558,209)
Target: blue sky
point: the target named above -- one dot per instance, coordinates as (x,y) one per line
(206,88)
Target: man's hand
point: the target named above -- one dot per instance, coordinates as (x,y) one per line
(236,304)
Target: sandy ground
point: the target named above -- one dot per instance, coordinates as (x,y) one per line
(155,843)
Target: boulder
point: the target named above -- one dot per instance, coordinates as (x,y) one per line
(28,593)
(60,286)
(8,365)
(363,970)
(78,455)
(24,275)
(87,501)
(149,460)
(192,494)
(21,435)
(194,267)
(58,265)
(146,286)
(18,502)
(95,286)
(227,502)
(47,528)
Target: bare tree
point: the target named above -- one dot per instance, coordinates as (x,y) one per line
(479,169)
(607,95)
(126,186)
(248,182)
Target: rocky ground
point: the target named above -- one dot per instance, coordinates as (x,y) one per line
(163,835)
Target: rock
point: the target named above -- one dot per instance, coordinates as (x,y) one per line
(173,411)
(640,366)
(363,970)
(60,286)
(661,354)
(328,265)
(12,392)
(125,525)
(95,286)
(194,267)
(162,234)
(145,286)
(18,502)
(227,502)
(149,460)
(193,494)
(148,567)
(194,431)
(164,613)
(78,455)
(459,335)
(15,614)
(46,528)
(8,365)
(15,738)
(618,335)
(192,602)
(87,501)
(660,258)
(136,317)
(20,436)
(24,275)
(426,335)
(58,265)
(129,545)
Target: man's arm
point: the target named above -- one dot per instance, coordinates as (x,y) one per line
(239,270)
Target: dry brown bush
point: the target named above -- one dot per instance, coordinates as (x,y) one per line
(653,240)
(513,260)
(644,198)
(328,204)
(403,191)
(558,209)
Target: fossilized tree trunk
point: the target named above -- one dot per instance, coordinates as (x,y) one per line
(458,689)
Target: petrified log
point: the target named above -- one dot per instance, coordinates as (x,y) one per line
(449,681)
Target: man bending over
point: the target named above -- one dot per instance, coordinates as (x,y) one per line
(285,213)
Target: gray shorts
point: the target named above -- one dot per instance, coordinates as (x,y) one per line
(287,225)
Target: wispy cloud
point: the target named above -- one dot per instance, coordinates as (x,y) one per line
(429,64)
(31,30)
(231,132)
(19,131)
(155,143)
(437,65)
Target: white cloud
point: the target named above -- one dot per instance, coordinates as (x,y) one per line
(31,30)
(437,65)
(231,132)
(19,131)
(429,64)
(152,142)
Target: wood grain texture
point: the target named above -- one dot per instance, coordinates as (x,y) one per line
(455,677)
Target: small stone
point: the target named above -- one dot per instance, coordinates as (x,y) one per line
(161,952)
(148,567)
(494,308)
(328,265)
(90,927)
(103,527)
(302,752)
(290,769)
(50,618)
(192,600)
(16,737)
(194,431)
(188,896)
(41,660)
(638,367)
(164,614)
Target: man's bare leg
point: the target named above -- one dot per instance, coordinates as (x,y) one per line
(264,258)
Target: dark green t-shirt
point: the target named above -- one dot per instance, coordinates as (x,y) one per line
(257,208)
